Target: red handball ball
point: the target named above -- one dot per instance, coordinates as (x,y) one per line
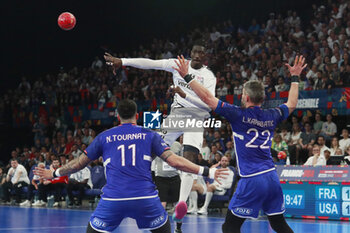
(282,155)
(66,21)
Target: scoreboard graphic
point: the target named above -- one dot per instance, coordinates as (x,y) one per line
(311,196)
(317,200)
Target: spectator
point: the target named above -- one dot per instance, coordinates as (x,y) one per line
(230,149)
(334,146)
(285,135)
(205,151)
(306,141)
(312,73)
(277,146)
(293,145)
(214,150)
(16,179)
(329,128)
(318,124)
(281,85)
(75,151)
(327,155)
(57,184)
(217,158)
(339,152)
(104,95)
(218,189)
(321,143)
(80,181)
(2,181)
(69,144)
(201,161)
(221,90)
(87,138)
(316,159)
(97,63)
(345,142)
(63,159)
(218,139)
(39,130)
(33,186)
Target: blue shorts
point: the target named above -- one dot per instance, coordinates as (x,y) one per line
(258,192)
(148,213)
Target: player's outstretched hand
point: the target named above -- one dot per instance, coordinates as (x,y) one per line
(221,173)
(182,66)
(43,173)
(298,66)
(113,61)
(173,90)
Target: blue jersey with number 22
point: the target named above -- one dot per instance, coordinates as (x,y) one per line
(127,152)
(253,129)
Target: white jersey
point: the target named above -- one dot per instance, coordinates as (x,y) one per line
(18,174)
(82,175)
(203,75)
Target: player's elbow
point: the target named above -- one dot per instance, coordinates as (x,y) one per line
(292,104)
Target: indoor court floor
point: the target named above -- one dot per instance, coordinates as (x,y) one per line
(43,220)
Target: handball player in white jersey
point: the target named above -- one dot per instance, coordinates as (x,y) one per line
(191,105)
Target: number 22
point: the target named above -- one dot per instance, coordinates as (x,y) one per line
(262,146)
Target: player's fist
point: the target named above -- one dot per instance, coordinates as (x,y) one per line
(176,90)
(113,61)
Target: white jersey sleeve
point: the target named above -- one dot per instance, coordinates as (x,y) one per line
(145,63)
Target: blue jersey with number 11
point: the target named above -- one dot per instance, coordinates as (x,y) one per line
(127,152)
(252,134)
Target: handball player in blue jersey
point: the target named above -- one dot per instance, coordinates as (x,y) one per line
(127,152)
(253,127)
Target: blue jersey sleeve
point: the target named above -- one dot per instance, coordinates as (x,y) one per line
(282,112)
(94,150)
(158,145)
(229,111)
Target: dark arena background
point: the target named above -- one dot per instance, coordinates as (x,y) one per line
(57,94)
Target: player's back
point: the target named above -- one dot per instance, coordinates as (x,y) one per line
(127,155)
(253,130)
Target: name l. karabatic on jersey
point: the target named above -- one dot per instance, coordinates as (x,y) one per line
(253,130)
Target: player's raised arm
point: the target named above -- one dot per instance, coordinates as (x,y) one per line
(200,104)
(185,165)
(295,72)
(140,63)
(69,168)
(202,92)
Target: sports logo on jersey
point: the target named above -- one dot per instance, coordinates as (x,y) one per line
(243,211)
(200,79)
(151,120)
(156,222)
(98,223)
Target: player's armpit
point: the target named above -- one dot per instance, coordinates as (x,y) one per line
(166,154)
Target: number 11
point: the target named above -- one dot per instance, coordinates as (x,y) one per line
(122,150)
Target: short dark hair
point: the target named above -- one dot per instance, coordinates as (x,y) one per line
(255,90)
(200,42)
(126,109)
(15,159)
